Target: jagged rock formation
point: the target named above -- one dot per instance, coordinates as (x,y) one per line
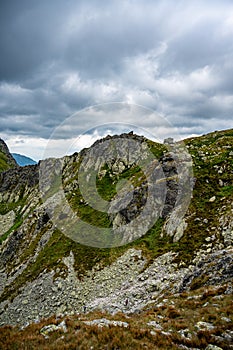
(43,271)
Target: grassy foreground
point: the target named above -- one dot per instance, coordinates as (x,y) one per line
(175,324)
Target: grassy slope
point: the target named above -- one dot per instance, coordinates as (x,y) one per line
(6,159)
(212,163)
(4,162)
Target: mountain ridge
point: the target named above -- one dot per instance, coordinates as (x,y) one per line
(52,274)
(23,160)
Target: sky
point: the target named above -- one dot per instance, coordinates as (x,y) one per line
(59,58)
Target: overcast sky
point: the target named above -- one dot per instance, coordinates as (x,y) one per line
(58,57)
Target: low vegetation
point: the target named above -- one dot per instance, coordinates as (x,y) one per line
(165,325)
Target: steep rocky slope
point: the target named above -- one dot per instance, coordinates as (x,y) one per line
(45,266)
(6,159)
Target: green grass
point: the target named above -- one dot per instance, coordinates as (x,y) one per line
(152,243)
(17,224)
(226,191)
(206,171)
(6,207)
(106,185)
(4,162)
(158,149)
(87,213)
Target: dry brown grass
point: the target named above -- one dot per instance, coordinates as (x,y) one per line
(179,312)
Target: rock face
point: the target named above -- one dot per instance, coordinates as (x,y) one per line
(44,270)
(7,221)
(18,178)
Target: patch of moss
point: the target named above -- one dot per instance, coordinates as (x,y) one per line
(87,213)
(106,185)
(226,191)
(7,206)
(4,162)
(158,149)
(17,224)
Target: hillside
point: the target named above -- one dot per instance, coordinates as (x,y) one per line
(156,248)
(23,160)
(6,159)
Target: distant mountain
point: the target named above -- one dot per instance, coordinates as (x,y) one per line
(6,159)
(23,160)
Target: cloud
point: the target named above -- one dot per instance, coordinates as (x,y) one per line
(60,57)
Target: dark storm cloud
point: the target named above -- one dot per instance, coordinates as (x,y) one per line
(29,35)
(58,57)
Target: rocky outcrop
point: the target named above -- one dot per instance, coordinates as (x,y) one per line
(13,180)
